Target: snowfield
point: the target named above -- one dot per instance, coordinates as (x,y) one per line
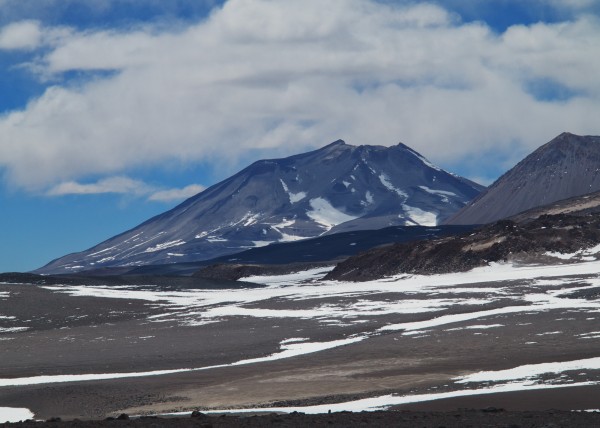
(526,307)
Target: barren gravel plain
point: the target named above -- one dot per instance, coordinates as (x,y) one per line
(521,338)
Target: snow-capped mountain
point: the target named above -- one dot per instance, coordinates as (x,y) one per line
(565,167)
(337,188)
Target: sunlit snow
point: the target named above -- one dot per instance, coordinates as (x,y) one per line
(294,197)
(419,217)
(14,414)
(164,246)
(385,180)
(326,215)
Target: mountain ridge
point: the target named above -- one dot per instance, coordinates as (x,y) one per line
(337,188)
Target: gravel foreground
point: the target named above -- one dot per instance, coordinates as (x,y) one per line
(490,417)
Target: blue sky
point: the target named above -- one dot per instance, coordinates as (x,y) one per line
(112,111)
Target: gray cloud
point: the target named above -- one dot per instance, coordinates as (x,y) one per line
(288,76)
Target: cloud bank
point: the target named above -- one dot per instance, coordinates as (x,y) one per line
(288,76)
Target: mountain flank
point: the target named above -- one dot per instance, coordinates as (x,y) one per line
(338,188)
(565,167)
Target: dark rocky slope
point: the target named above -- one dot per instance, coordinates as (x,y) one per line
(501,241)
(566,167)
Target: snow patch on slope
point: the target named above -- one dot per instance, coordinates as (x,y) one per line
(164,246)
(441,193)
(294,197)
(285,237)
(426,162)
(326,215)
(418,216)
(385,180)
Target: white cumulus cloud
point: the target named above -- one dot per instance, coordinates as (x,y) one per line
(287,76)
(176,194)
(20,35)
(125,186)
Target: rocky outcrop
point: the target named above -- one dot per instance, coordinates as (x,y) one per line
(542,239)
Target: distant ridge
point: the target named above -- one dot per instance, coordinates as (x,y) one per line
(566,167)
(337,188)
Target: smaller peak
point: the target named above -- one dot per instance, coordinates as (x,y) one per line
(336,143)
(570,138)
(404,147)
(566,134)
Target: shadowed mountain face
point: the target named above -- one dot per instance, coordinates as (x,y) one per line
(566,167)
(335,189)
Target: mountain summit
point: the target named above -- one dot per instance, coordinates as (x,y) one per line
(566,167)
(336,188)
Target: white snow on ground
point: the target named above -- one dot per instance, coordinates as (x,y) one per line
(288,350)
(14,414)
(531,371)
(290,278)
(386,401)
(539,306)
(193,305)
(294,339)
(476,327)
(349,310)
(98,253)
(585,254)
(426,162)
(286,237)
(164,246)
(385,180)
(248,219)
(590,335)
(12,329)
(437,192)
(533,289)
(294,197)
(326,215)
(419,217)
